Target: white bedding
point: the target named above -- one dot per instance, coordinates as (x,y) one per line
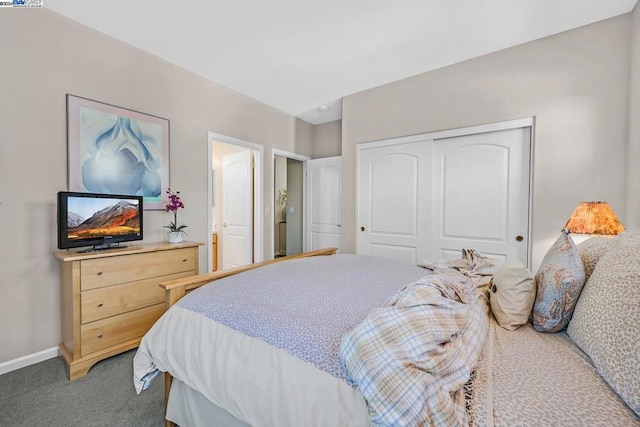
(252,380)
(187,407)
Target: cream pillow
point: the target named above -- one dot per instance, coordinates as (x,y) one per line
(513,292)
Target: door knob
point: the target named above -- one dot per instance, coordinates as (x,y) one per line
(224,224)
(361,228)
(519,238)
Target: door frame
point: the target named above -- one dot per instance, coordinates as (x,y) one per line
(258,191)
(272,203)
(470,130)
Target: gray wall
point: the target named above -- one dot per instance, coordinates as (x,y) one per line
(575,84)
(45,56)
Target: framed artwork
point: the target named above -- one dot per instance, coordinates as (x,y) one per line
(114,150)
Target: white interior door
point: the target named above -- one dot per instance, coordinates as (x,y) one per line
(237,209)
(481,194)
(324,203)
(393,208)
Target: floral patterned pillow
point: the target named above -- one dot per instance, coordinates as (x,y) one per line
(607,316)
(559,281)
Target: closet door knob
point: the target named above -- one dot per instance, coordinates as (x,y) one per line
(361,228)
(519,238)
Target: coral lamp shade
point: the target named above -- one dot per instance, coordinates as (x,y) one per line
(594,218)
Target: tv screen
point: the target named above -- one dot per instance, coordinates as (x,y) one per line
(98,220)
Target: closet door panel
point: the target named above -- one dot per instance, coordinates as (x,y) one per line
(394,195)
(474,181)
(391,206)
(481,194)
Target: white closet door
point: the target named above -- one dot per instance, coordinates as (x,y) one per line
(324,185)
(481,194)
(393,211)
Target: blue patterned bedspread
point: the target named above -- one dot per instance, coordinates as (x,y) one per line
(304,306)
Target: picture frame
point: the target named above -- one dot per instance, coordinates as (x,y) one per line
(114,150)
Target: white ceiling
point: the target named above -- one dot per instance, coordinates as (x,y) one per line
(299,55)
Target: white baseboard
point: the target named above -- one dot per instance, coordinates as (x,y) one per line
(30,359)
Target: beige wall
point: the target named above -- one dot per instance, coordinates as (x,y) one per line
(45,56)
(327,139)
(632,213)
(303,137)
(576,86)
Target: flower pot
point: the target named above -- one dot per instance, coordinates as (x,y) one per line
(175,237)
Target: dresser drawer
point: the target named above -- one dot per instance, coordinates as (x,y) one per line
(109,301)
(102,334)
(108,271)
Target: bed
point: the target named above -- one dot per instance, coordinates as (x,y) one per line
(300,342)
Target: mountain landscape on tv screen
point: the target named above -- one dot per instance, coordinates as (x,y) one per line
(120,219)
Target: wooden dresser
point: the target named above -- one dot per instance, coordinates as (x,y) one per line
(111,298)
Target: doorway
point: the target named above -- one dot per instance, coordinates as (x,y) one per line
(235,195)
(280,211)
(288,191)
(288,203)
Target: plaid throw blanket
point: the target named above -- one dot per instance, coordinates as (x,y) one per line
(412,357)
(463,275)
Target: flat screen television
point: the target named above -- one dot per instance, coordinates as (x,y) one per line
(101,221)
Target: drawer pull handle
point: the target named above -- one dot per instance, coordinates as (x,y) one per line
(100,305)
(99,273)
(99,336)
(184,260)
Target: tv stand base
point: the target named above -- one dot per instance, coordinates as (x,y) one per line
(103,247)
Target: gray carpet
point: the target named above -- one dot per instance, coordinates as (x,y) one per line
(41,395)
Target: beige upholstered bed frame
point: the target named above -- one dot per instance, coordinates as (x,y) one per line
(176,289)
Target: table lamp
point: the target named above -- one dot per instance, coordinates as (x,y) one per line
(595,219)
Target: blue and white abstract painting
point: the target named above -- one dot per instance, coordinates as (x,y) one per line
(120,152)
